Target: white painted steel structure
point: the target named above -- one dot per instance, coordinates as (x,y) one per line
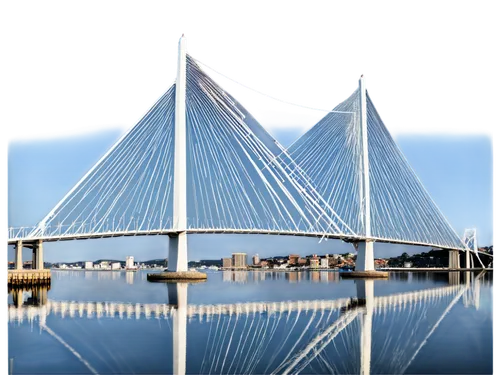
(198,162)
(470,241)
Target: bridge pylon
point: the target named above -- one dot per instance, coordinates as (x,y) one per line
(177,253)
(178,242)
(37,254)
(454,259)
(365,261)
(470,241)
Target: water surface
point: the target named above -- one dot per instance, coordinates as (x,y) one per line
(241,322)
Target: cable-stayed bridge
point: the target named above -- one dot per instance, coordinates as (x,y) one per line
(305,335)
(198,162)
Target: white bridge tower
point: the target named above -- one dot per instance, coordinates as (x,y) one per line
(470,241)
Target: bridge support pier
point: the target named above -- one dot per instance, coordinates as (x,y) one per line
(177,262)
(19,255)
(38,249)
(33,258)
(37,257)
(177,253)
(454,259)
(469,259)
(365,262)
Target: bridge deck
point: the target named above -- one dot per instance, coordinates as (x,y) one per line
(346,238)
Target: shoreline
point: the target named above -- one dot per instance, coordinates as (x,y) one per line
(105,270)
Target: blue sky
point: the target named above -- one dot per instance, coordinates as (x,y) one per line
(456,170)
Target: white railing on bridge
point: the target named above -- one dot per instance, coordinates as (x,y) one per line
(19,233)
(134,226)
(78,229)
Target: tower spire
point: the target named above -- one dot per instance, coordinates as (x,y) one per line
(366,166)
(177,252)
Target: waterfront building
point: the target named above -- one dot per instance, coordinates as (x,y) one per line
(104,264)
(293,259)
(89,265)
(255,260)
(324,262)
(226,262)
(314,263)
(129,262)
(116,266)
(302,262)
(239,260)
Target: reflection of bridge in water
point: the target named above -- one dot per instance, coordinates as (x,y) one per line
(322,276)
(304,335)
(74,309)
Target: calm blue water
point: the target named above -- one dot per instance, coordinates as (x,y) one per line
(119,323)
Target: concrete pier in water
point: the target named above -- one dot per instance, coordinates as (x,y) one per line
(28,277)
(365,263)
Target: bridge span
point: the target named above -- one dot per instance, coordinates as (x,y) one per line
(199,163)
